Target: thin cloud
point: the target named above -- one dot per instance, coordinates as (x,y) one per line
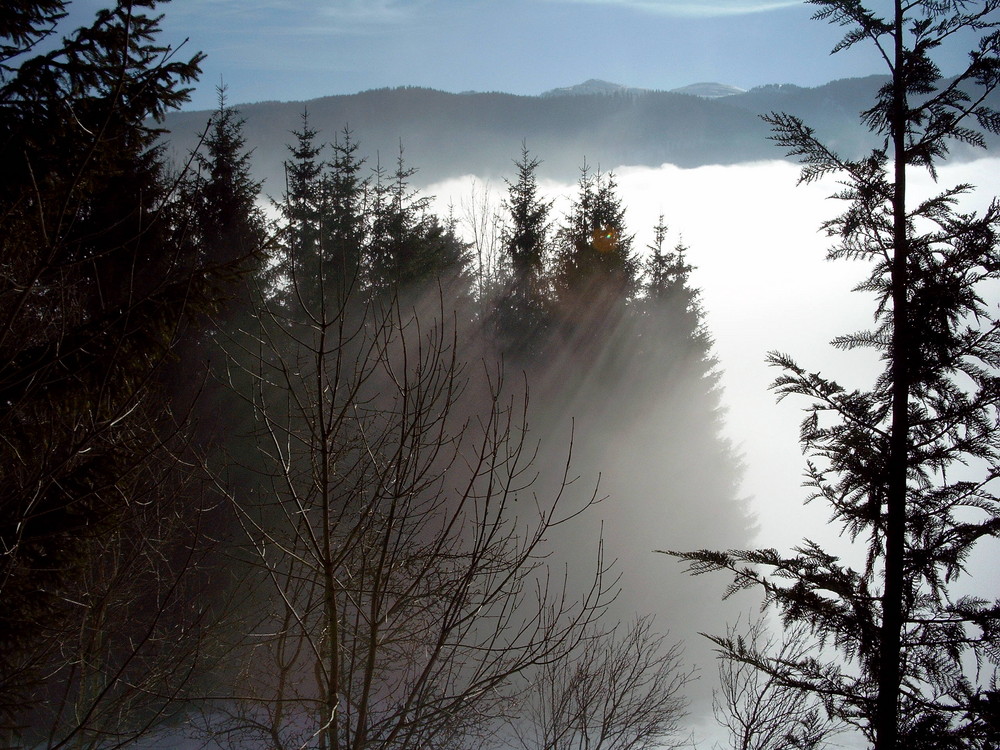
(373,12)
(692,9)
(309,15)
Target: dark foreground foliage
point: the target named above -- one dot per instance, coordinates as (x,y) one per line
(909,466)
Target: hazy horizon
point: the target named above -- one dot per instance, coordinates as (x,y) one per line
(271,50)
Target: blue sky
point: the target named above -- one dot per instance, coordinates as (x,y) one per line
(302,49)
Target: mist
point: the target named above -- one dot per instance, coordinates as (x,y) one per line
(754,238)
(319,432)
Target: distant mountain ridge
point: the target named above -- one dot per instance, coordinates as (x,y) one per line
(608,125)
(595,87)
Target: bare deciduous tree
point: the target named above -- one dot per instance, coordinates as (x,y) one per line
(760,711)
(614,691)
(481,224)
(398,543)
(125,648)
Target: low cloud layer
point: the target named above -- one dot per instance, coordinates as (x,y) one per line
(754,238)
(766,285)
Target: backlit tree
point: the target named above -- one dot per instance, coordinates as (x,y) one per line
(908,466)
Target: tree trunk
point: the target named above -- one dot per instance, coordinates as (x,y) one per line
(887,707)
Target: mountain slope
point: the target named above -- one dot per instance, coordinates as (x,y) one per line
(446,135)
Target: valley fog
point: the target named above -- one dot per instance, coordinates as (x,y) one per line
(759,256)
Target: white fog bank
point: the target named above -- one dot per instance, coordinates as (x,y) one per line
(760,258)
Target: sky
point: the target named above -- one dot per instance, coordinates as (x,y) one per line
(291,50)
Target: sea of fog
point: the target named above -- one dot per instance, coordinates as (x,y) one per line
(755,240)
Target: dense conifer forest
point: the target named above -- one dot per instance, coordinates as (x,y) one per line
(326,469)
(292,471)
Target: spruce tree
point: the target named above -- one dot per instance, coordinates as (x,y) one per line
(303,208)
(230,224)
(345,225)
(100,274)
(673,347)
(594,269)
(233,237)
(410,250)
(22,26)
(526,238)
(327,224)
(669,360)
(666,289)
(908,465)
(521,315)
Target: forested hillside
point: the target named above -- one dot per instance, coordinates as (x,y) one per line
(448,135)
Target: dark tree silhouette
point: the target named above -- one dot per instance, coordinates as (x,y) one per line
(233,235)
(593,267)
(230,224)
(22,26)
(302,263)
(410,249)
(909,465)
(522,308)
(670,319)
(100,273)
(526,239)
(345,231)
